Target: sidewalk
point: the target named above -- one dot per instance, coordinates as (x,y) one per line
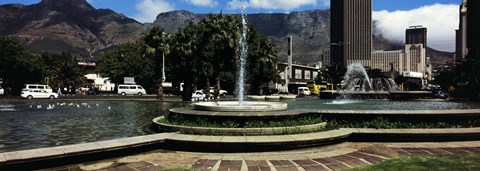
(334,157)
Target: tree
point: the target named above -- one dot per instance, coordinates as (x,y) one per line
(63,70)
(262,61)
(157,46)
(218,43)
(17,67)
(183,59)
(129,60)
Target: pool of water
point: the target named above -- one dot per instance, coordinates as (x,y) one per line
(308,103)
(36,124)
(32,124)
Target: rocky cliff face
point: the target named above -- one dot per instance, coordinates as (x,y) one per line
(75,26)
(64,25)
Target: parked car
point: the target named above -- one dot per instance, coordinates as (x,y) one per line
(303,91)
(198,96)
(124,89)
(2,91)
(37,87)
(38,94)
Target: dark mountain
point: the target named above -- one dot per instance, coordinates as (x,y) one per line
(65,25)
(75,26)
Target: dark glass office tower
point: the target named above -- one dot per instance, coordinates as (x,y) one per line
(416,35)
(473,28)
(351,31)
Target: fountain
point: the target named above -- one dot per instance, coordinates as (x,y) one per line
(357,84)
(241,105)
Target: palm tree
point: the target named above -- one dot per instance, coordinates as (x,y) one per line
(221,41)
(158,45)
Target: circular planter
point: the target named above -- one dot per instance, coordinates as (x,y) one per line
(239,131)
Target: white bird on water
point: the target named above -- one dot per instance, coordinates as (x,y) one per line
(109,107)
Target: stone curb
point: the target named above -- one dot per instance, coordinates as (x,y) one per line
(63,153)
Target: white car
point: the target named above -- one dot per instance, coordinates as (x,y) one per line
(39,94)
(126,89)
(198,95)
(2,92)
(304,91)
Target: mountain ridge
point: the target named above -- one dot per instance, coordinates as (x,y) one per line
(75,26)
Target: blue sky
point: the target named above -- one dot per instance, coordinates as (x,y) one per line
(439,16)
(130,7)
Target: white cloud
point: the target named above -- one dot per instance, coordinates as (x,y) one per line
(147,10)
(203,3)
(270,4)
(440,21)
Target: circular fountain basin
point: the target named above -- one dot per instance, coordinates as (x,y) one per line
(233,106)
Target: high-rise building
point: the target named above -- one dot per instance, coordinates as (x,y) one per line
(416,35)
(351,31)
(461,33)
(473,28)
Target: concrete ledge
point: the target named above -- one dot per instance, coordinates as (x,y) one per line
(68,154)
(68,151)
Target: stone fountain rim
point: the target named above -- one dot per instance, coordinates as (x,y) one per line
(249,106)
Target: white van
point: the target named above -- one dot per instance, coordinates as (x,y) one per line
(303,91)
(124,89)
(29,87)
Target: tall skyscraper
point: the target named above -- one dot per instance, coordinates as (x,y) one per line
(351,31)
(473,28)
(461,33)
(416,35)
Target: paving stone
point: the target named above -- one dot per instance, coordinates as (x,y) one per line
(251,163)
(453,150)
(253,168)
(374,160)
(337,166)
(343,158)
(315,168)
(286,163)
(211,163)
(265,168)
(305,162)
(437,151)
(287,168)
(326,161)
(201,161)
(276,162)
(123,168)
(262,163)
(236,163)
(470,149)
(355,163)
(357,155)
(415,151)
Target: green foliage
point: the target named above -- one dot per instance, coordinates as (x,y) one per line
(262,61)
(428,162)
(17,67)
(384,123)
(465,78)
(128,60)
(176,119)
(62,70)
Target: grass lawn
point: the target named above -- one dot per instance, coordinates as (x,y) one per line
(428,162)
